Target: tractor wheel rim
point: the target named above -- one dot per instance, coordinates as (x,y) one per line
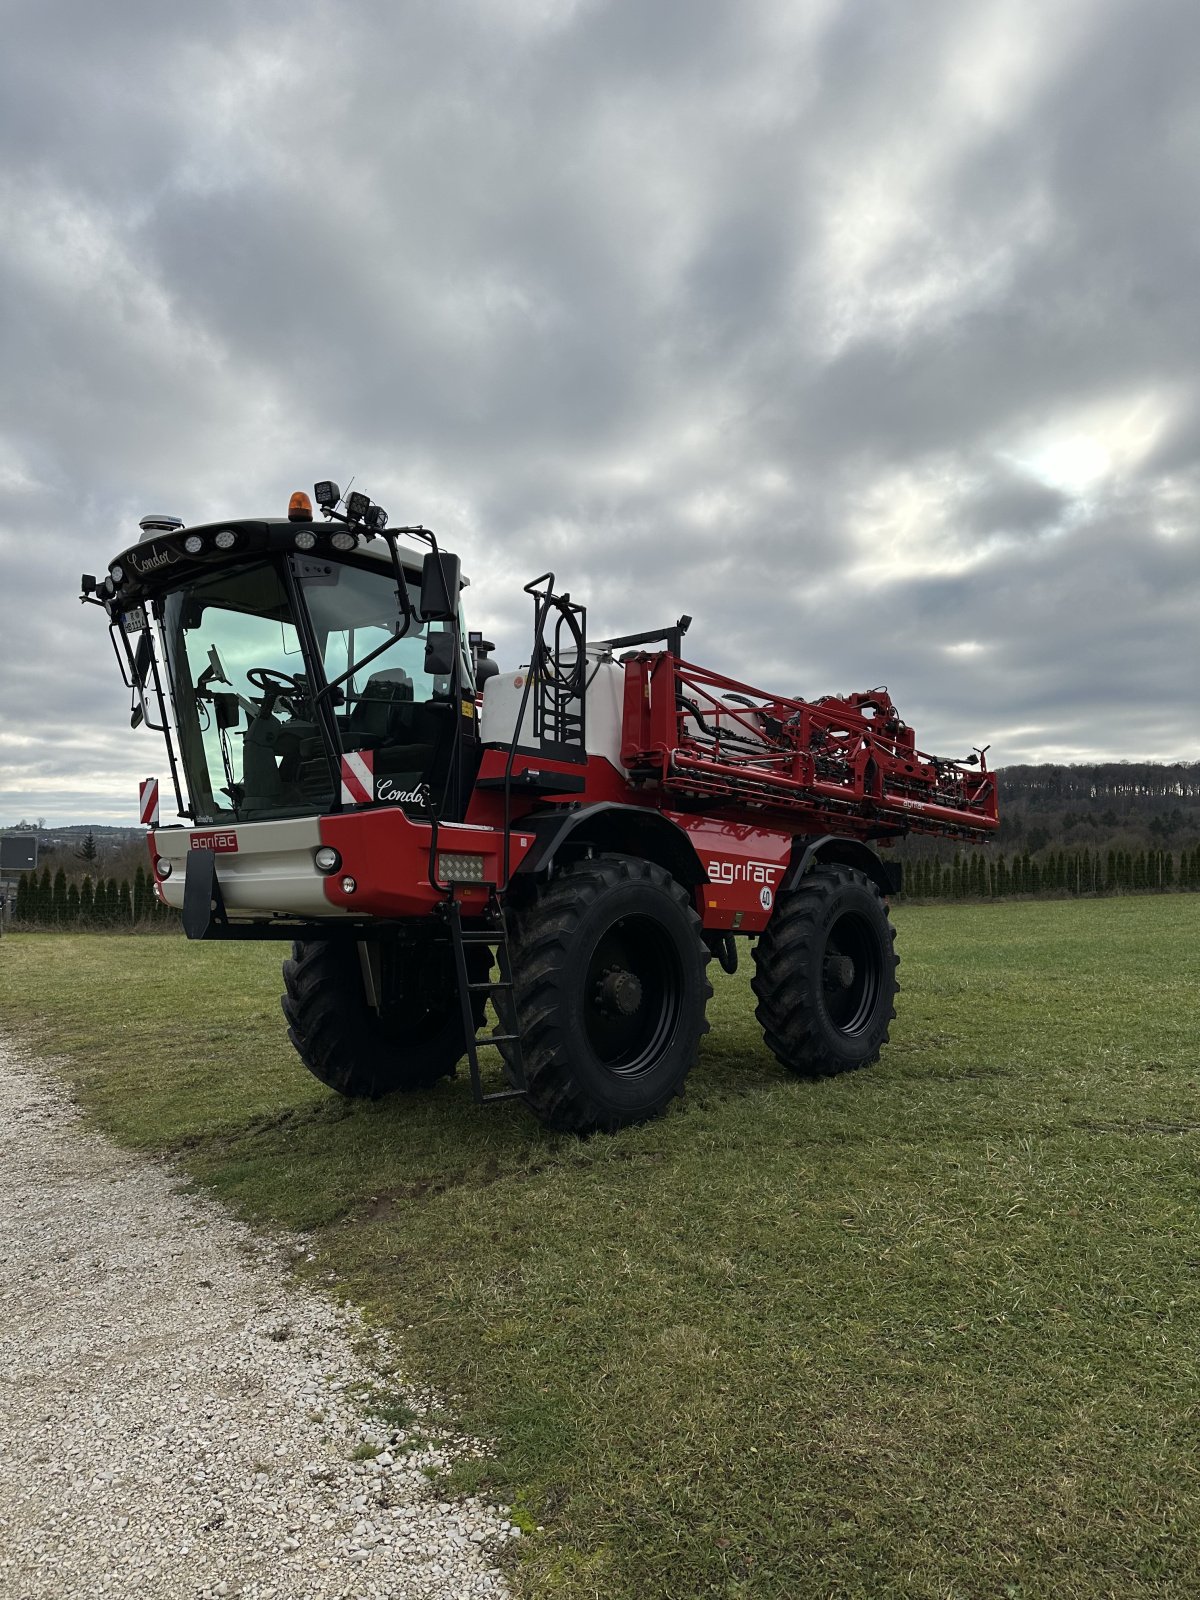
(851,973)
(632,996)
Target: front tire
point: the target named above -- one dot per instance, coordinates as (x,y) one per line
(415,1039)
(610,991)
(825,974)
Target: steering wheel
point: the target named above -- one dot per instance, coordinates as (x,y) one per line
(280,682)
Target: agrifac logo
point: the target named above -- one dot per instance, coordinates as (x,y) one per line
(754,872)
(222,842)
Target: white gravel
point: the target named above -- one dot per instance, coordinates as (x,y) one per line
(177,1417)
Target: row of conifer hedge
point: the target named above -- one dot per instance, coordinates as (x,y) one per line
(975,875)
(56,902)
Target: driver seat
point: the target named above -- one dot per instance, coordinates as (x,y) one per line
(373,714)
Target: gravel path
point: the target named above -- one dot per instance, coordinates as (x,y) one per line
(175,1418)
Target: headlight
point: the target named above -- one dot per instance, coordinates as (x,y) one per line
(118,572)
(343,540)
(162,866)
(226,539)
(193,544)
(327,859)
(305,539)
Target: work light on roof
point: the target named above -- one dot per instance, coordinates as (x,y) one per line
(376,519)
(357,506)
(327,494)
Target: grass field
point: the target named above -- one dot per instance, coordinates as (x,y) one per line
(930,1330)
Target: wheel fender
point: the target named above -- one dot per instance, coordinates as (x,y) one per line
(808,853)
(611,825)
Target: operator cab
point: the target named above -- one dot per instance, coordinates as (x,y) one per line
(287,648)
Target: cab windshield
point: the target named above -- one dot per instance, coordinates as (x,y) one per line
(257,719)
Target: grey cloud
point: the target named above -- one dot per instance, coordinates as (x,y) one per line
(1015,504)
(574,284)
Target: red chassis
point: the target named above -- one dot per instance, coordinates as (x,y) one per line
(746,782)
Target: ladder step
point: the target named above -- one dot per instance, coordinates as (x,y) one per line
(497,939)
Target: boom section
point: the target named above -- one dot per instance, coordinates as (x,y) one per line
(848,763)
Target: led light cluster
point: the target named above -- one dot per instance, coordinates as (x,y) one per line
(195,544)
(359,508)
(454,868)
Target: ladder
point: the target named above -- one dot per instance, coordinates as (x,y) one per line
(494,938)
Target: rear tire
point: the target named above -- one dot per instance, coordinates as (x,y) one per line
(825,974)
(362,1053)
(610,991)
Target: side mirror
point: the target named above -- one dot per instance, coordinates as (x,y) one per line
(440,651)
(141,659)
(441,579)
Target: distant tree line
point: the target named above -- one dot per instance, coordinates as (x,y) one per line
(975,875)
(56,902)
(1099,828)
(1126,782)
(1103,806)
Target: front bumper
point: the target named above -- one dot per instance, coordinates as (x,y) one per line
(264,874)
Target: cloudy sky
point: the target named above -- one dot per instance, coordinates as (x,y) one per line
(866,332)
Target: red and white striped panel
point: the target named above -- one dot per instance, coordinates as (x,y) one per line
(148,801)
(358,778)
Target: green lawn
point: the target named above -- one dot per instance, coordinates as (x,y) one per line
(928,1330)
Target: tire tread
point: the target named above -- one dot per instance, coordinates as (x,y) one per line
(787,981)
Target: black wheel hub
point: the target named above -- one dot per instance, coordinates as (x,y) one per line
(619,993)
(851,973)
(632,996)
(839,970)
